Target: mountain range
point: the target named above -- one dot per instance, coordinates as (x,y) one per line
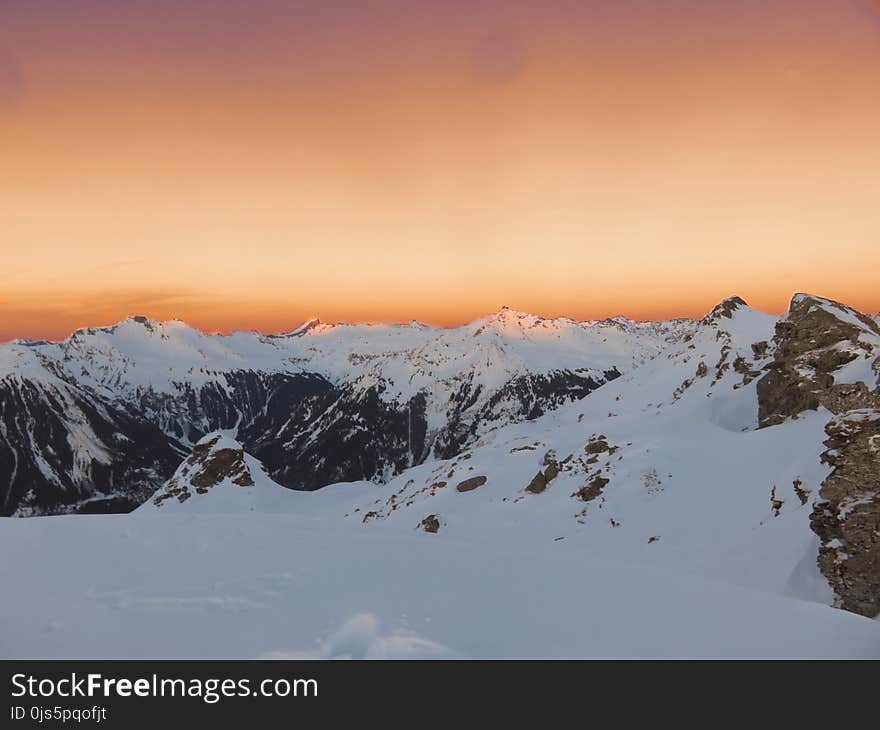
(99,421)
(741,448)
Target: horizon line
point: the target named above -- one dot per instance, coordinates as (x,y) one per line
(313,321)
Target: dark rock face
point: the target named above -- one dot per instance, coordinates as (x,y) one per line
(237,398)
(65,448)
(338,435)
(782,393)
(815,340)
(345,434)
(431,523)
(62,449)
(847,515)
(306,431)
(526,397)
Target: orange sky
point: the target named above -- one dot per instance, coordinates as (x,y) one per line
(247,165)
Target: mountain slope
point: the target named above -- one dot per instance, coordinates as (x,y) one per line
(322,404)
(62,448)
(675,464)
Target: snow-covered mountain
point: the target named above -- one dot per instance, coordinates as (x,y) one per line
(322,404)
(716,498)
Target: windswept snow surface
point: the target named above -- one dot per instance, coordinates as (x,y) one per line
(299,585)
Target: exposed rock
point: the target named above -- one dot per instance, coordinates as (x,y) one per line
(431,523)
(679,391)
(470,484)
(813,342)
(592,489)
(538,484)
(802,493)
(846,517)
(43,470)
(596,445)
(527,447)
(542,479)
(775,502)
(219,465)
(742,366)
(760,349)
(782,393)
(725,309)
(214,460)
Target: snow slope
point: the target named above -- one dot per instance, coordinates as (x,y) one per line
(689,479)
(249,585)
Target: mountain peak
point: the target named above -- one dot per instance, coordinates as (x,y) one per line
(802,303)
(153,324)
(307,326)
(136,323)
(726,308)
(507,321)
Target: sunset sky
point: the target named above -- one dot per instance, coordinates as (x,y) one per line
(250,163)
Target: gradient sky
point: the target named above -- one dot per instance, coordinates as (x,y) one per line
(250,163)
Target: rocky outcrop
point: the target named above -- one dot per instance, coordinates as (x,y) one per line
(592,489)
(823,356)
(469,485)
(214,460)
(542,479)
(846,517)
(725,309)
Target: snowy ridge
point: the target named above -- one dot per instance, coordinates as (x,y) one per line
(308,404)
(140,354)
